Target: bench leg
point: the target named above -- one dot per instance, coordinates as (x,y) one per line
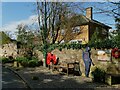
(67,69)
(52,67)
(49,67)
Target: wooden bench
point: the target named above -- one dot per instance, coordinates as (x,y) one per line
(110,78)
(53,67)
(75,67)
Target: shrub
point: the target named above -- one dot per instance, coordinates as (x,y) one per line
(60,48)
(40,63)
(28,63)
(98,75)
(34,58)
(28,54)
(22,60)
(24,63)
(33,63)
(4,60)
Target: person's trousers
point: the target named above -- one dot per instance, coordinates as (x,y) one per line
(87,68)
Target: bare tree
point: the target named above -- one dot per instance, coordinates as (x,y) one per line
(53,20)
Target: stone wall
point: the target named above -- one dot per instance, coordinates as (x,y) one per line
(72,55)
(8,50)
(66,55)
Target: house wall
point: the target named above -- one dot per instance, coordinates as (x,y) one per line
(83,34)
(91,30)
(86,32)
(94,27)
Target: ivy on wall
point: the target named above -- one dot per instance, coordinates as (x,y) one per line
(62,46)
(4,39)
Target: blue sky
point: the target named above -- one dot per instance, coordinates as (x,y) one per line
(15,12)
(0,14)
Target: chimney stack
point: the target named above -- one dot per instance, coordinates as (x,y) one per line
(89,13)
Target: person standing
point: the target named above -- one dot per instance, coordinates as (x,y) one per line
(87,60)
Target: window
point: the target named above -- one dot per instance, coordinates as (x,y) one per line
(62,32)
(76,29)
(76,41)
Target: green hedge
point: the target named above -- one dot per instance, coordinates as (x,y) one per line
(107,43)
(62,46)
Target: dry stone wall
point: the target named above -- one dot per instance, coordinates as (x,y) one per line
(65,55)
(76,55)
(8,50)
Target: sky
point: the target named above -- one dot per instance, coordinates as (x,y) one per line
(14,13)
(0,14)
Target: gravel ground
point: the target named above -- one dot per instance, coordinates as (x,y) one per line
(49,79)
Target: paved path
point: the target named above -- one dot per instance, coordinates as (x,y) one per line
(11,80)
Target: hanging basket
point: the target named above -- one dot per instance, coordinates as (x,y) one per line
(116,53)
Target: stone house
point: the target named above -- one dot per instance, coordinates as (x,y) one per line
(86,26)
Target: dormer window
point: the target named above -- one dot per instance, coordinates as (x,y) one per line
(76,29)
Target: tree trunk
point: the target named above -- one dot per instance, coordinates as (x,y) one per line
(45,58)
(45,36)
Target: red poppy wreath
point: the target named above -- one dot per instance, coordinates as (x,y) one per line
(116,53)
